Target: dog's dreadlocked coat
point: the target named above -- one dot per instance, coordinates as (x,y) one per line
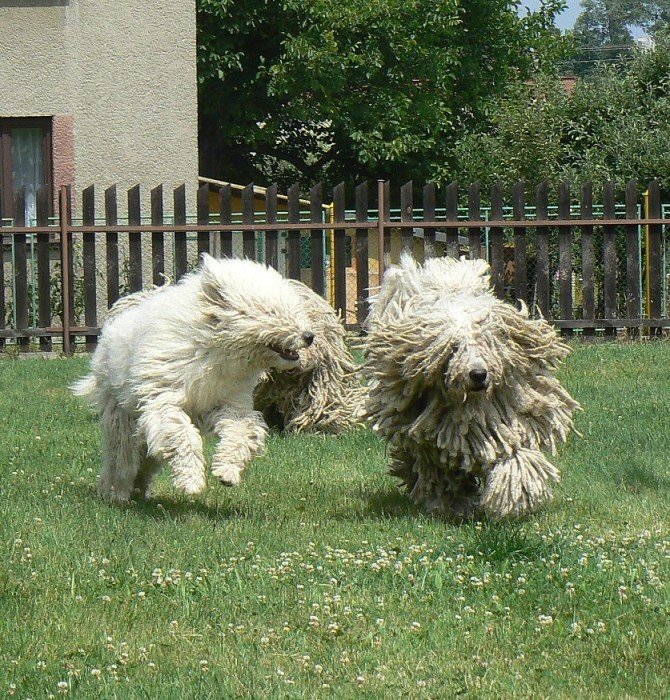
(184,359)
(461,385)
(322,394)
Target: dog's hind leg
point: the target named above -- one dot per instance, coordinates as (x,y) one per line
(241,438)
(121,456)
(171,436)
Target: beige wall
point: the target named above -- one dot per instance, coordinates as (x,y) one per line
(124,71)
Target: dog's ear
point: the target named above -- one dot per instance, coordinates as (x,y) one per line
(213,281)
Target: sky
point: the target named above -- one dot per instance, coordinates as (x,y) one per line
(566,19)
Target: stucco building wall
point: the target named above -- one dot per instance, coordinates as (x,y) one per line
(118,79)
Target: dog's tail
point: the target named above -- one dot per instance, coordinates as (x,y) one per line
(86,387)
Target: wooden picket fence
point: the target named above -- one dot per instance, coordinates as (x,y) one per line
(536,256)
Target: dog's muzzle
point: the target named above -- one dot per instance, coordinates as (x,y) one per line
(292,355)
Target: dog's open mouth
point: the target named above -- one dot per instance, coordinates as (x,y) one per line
(288,355)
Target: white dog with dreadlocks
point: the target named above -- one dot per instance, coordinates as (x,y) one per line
(461,385)
(186,358)
(323,393)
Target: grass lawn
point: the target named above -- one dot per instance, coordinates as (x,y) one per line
(318,578)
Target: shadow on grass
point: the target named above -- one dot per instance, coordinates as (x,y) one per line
(390,504)
(161,508)
(635,478)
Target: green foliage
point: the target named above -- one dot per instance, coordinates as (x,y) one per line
(604,29)
(321,90)
(614,125)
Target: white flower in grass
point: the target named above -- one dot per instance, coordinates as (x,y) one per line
(95,672)
(63,687)
(545,619)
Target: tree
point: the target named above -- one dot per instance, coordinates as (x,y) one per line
(311,89)
(604,30)
(615,125)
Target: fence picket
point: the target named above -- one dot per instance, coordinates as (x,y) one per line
(588,266)
(542,272)
(111,246)
(406,215)
(271,237)
(248,237)
(225,217)
(474,213)
(565,257)
(632,255)
(43,267)
(316,238)
(496,241)
(293,239)
(451,214)
(202,215)
(157,237)
(339,261)
(520,243)
(654,258)
(362,252)
(609,256)
(89,272)
(429,196)
(180,250)
(21,271)
(134,240)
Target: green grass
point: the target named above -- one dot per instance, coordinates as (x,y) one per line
(318,578)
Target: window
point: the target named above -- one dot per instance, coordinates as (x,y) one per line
(25,161)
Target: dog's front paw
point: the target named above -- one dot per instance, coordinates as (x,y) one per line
(192,484)
(228,474)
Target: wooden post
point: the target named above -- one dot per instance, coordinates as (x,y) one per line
(451,203)
(180,251)
(157,237)
(496,238)
(474,214)
(248,237)
(202,216)
(381,207)
(609,257)
(64,212)
(293,240)
(542,272)
(339,260)
(44,195)
(134,240)
(520,243)
(429,195)
(271,237)
(633,296)
(226,217)
(21,271)
(111,246)
(588,266)
(88,251)
(407,215)
(565,256)
(362,254)
(316,239)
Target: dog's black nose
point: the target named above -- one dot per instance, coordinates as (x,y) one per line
(308,338)
(478,376)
